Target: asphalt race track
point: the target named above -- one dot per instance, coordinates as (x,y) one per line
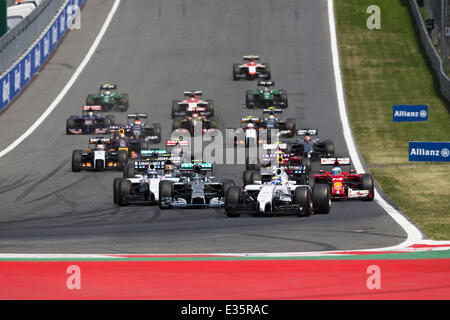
(154,50)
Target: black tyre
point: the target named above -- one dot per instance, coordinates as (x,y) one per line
(157,132)
(247,177)
(367,184)
(175,108)
(268,72)
(249,99)
(302,197)
(321,198)
(226,185)
(251,166)
(236,71)
(90,101)
(129,171)
(111,119)
(290,125)
(214,123)
(76,160)
(124,191)
(122,158)
(284,98)
(329,148)
(116,189)
(176,124)
(256,176)
(211,108)
(306,162)
(70,124)
(232,197)
(165,191)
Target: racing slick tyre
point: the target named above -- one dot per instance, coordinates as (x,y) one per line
(306,162)
(110,120)
(176,124)
(124,102)
(302,197)
(290,125)
(124,191)
(232,198)
(129,171)
(214,123)
(321,198)
(256,176)
(367,184)
(122,158)
(329,148)
(165,191)
(284,98)
(157,132)
(116,189)
(268,72)
(249,99)
(226,185)
(175,108)
(211,107)
(70,124)
(76,160)
(251,166)
(247,177)
(90,101)
(236,71)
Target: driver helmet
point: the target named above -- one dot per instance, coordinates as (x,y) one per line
(272,116)
(133,154)
(250,125)
(276,180)
(336,171)
(307,139)
(169,168)
(151,172)
(100,147)
(107,92)
(137,122)
(90,114)
(122,133)
(266,89)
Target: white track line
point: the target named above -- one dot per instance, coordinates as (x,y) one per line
(414,234)
(69,84)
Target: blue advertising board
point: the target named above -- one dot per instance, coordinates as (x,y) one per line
(429,151)
(404,113)
(20,74)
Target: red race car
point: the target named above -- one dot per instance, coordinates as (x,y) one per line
(345,185)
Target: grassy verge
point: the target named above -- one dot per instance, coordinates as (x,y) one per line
(382,68)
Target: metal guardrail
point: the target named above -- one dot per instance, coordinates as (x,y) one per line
(17,40)
(430,50)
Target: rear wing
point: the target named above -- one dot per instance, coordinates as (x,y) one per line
(191,93)
(154,152)
(92,108)
(117,127)
(272,110)
(274,146)
(250,119)
(108,87)
(157,165)
(204,166)
(266,83)
(307,132)
(171,143)
(99,140)
(334,161)
(137,115)
(250,57)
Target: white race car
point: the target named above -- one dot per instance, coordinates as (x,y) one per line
(275,193)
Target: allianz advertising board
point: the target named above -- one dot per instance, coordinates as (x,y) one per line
(406,113)
(429,151)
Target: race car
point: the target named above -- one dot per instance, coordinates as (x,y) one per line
(251,69)
(193,119)
(191,103)
(90,122)
(139,162)
(277,194)
(286,127)
(101,157)
(109,99)
(144,187)
(304,149)
(143,132)
(266,96)
(343,184)
(196,188)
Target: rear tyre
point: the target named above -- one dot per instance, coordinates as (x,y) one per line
(124,191)
(329,148)
(157,132)
(307,163)
(249,99)
(175,108)
(76,160)
(247,177)
(236,71)
(90,101)
(256,176)
(302,197)
(284,98)
(129,171)
(211,108)
(116,189)
(165,191)
(70,124)
(290,125)
(232,198)
(321,198)
(214,124)
(122,158)
(268,72)
(227,184)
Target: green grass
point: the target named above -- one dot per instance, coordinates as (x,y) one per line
(382,68)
